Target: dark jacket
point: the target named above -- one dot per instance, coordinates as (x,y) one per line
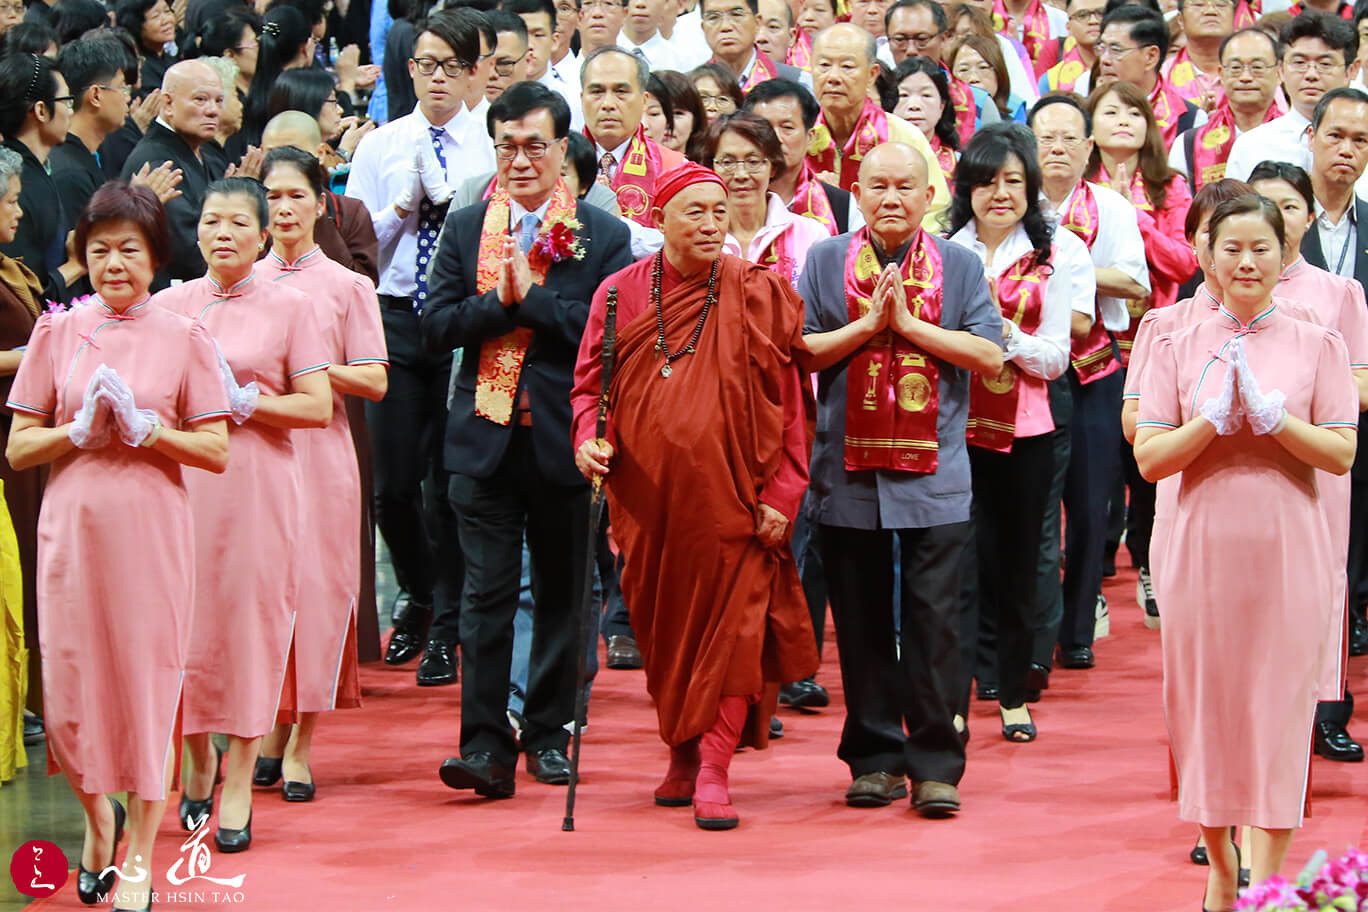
(41,240)
(182,214)
(457,316)
(77,174)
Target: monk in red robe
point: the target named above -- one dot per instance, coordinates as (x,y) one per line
(705,462)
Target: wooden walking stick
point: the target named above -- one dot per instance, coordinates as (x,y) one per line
(586,607)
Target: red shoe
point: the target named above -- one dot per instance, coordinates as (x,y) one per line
(712,801)
(678,788)
(675,793)
(711,816)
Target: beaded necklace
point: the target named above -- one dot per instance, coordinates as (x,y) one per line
(708,302)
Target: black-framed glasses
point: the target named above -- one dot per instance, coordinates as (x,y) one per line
(450,66)
(736,15)
(505,67)
(1088,15)
(506,151)
(68,100)
(126,91)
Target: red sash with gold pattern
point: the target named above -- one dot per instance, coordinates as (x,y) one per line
(501,359)
(946,157)
(800,52)
(1063,76)
(993,400)
(778,258)
(761,71)
(1091,356)
(635,180)
(1245,15)
(1182,75)
(966,110)
(1168,107)
(1035,26)
(809,199)
(892,387)
(870,130)
(1212,142)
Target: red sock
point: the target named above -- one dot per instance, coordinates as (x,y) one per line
(715,749)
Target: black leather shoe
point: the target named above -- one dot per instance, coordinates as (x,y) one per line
(1076,657)
(298,791)
(194,812)
(90,886)
(229,841)
(550,766)
(776,727)
(1358,637)
(987,692)
(481,772)
(438,667)
(1332,742)
(623,653)
(267,771)
(1109,564)
(404,646)
(33,730)
(806,694)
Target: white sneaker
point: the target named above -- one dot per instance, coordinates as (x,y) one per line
(1101,619)
(1144,597)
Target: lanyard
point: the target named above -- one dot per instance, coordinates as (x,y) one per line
(1344,251)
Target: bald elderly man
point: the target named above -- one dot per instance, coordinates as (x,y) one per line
(192,102)
(897,321)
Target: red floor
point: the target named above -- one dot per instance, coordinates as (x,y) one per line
(1078,820)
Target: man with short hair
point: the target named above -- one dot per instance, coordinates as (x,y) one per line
(897,320)
(920,27)
(851,123)
(517,306)
(543,36)
(1194,70)
(641,34)
(192,100)
(600,22)
(1249,81)
(704,464)
(777,32)
(614,95)
(1079,51)
(1318,55)
(402,172)
(1132,48)
(731,27)
(870,15)
(565,63)
(510,52)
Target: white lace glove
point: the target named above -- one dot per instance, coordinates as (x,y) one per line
(413,192)
(1265,411)
(91,427)
(137,426)
(433,175)
(242,400)
(1222,410)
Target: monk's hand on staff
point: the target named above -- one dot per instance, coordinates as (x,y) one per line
(770,526)
(592,458)
(516,277)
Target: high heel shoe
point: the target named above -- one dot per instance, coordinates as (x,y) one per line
(1019,733)
(194,812)
(267,771)
(229,841)
(91,887)
(298,791)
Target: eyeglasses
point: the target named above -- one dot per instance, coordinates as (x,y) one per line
(736,15)
(920,42)
(12,8)
(1092,15)
(450,66)
(509,151)
(1067,140)
(505,67)
(68,100)
(1320,64)
(332,100)
(1115,51)
(602,4)
(749,165)
(717,102)
(1255,68)
(125,91)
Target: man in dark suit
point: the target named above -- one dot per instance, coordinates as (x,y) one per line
(731,28)
(1338,242)
(516,305)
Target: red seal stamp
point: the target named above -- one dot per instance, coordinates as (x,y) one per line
(38,868)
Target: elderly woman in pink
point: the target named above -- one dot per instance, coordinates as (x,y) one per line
(275,374)
(329,553)
(745,152)
(117,396)
(1249,405)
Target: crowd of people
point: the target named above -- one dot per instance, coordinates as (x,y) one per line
(911,309)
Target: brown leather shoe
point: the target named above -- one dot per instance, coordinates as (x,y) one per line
(936,799)
(874,790)
(623,653)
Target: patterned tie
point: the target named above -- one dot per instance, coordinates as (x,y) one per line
(528,232)
(430,218)
(606,164)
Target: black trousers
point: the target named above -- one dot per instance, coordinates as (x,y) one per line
(885,691)
(494,514)
(1010,493)
(1094,460)
(1050,596)
(407,429)
(616,621)
(1139,508)
(1341,711)
(807,553)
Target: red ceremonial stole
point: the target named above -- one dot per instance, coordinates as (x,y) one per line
(1063,76)
(762,70)
(800,52)
(1345,11)
(946,157)
(1168,106)
(501,359)
(893,387)
(809,199)
(1212,142)
(778,258)
(993,400)
(1035,26)
(1245,15)
(1137,309)
(1187,81)
(966,109)
(635,180)
(1091,356)
(870,130)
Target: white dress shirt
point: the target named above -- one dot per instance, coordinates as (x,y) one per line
(563,77)
(1286,139)
(659,53)
(1118,245)
(383,166)
(805,232)
(516,213)
(1337,240)
(1177,158)
(689,42)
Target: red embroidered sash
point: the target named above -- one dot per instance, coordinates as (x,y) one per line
(1168,107)
(892,387)
(501,359)
(635,180)
(1063,76)
(1137,309)
(946,157)
(966,110)
(993,400)
(800,52)
(1212,143)
(1035,26)
(778,258)
(870,130)
(809,199)
(1091,356)
(1245,16)
(761,71)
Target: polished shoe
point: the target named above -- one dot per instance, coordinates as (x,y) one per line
(806,694)
(298,791)
(988,693)
(411,619)
(33,729)
(91,887)
(481,772)
(229,841)
(194,812)
(1144,597)
(1019,732)
(1332,741)
(404,646)
(267,771)
(875,790)
(549,766)
(1198,855)
(1076,657)
(936,799)
(1358,641)
(776,728)
(623,653)
(1037,682)
(438,667)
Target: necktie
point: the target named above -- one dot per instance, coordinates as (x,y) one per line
(528,232)
(430,218)
(606,164)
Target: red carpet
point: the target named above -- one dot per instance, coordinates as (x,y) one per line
(1078,820)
